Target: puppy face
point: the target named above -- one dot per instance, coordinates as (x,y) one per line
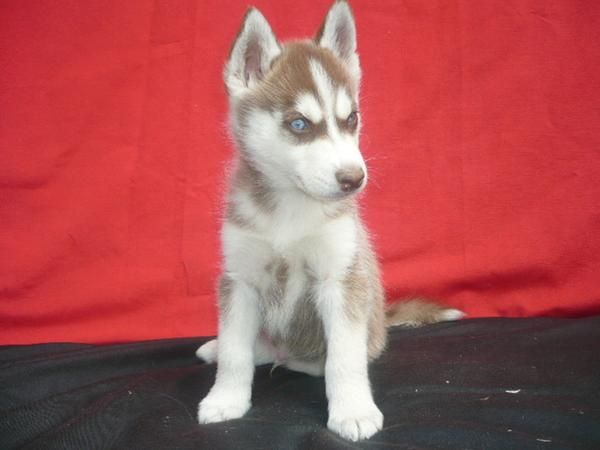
(295,108)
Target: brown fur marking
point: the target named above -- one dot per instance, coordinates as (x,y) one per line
(415,312)
(314,130)
(279,271)
(346,125)
(364,294)
(225,290)
(252,181)
(306,337)
(289,77)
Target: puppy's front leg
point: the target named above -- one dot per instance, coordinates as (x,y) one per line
(352,411)
(229,397)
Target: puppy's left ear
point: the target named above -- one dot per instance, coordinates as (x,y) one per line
(338,34)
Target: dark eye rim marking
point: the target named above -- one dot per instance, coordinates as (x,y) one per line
(350,123)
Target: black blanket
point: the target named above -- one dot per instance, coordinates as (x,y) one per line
(476,384)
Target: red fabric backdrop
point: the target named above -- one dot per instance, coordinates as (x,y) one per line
(481,129)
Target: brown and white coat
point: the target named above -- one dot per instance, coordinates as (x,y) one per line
(301,284)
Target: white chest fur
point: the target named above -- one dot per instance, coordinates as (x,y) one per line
(286,249)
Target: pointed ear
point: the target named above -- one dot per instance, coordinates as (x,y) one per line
(252,53)
(338,34)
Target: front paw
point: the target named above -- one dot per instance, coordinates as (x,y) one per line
(218,407)
(355,422)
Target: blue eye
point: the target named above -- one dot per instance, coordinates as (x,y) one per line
(299,124)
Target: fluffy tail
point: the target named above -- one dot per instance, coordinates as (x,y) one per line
(417,312)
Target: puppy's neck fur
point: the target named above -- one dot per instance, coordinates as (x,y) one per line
(257,203)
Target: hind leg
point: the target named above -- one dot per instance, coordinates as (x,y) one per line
(263,352)
(208,352)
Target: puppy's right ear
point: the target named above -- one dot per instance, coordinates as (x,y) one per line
(251,55)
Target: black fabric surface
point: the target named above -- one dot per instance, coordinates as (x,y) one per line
(475,384)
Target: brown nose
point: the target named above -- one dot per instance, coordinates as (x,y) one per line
(350,178)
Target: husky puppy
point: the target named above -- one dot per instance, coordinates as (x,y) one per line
(301,285)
